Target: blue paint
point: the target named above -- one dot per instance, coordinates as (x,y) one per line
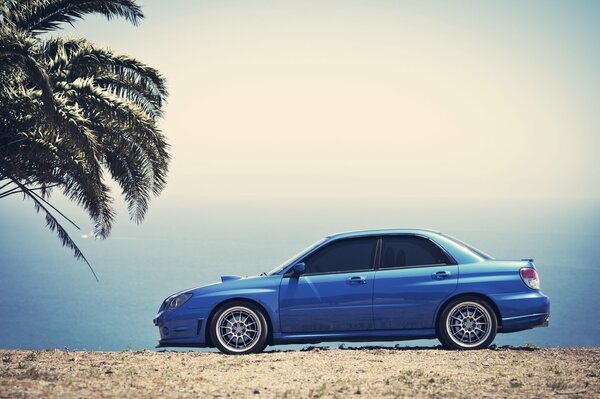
(326,303)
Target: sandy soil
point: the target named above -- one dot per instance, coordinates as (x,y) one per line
(338,373)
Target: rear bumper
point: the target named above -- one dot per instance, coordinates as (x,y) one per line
(525,322)
(523,310)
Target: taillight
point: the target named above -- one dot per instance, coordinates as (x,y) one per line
(530,278)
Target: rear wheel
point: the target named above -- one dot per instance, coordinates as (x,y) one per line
(467,323)
(239,328)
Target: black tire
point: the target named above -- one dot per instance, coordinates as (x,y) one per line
(461,324)
(239,328)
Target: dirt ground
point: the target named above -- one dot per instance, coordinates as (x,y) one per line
(314,373)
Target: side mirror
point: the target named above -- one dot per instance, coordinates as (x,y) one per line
(299,268)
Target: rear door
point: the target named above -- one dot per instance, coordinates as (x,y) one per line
(413,278)
(336,291)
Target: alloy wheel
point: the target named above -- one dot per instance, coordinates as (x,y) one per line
(468,324)
(238,329)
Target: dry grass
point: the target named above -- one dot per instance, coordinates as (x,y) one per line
(338,373)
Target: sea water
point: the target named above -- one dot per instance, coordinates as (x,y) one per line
(50,300)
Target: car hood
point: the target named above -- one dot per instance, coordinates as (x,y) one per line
(232,282)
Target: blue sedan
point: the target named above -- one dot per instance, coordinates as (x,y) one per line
(371,285)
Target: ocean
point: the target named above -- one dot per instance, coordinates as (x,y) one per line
(50,300)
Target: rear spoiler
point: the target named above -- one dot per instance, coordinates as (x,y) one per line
(529,262)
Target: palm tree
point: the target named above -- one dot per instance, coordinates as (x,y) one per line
(72,112)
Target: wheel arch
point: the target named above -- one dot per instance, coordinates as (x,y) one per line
(207,337)
(484,297)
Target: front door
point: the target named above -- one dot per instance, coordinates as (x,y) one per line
(336,291)
(415,276)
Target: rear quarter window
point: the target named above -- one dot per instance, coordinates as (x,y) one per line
(410,251)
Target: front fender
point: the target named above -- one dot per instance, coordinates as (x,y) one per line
(264,291)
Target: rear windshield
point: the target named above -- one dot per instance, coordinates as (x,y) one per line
(469,247)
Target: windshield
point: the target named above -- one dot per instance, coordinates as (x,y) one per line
(285,264)
(469,247)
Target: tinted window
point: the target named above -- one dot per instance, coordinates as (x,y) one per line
(340,256)
(404,251)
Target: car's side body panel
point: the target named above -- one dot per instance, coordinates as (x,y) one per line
(327,302)
(353,336)
(492,276)
(408,298)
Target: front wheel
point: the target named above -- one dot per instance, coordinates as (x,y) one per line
(467,323)
(239,328)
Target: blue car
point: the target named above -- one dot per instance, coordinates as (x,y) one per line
(376,285)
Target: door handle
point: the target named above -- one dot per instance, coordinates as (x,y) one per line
(440,275)
(356,280)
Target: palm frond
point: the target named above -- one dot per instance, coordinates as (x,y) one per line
(55,226)
(132,91)
(81,59)
(18,50)
(124,76)
(40,16)
(133,148)
(127,163)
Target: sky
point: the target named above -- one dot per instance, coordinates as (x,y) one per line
(373,99)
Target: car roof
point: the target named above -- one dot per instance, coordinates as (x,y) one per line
(379,232)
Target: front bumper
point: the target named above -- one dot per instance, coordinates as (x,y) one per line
(180,329)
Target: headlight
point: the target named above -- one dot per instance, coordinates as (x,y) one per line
(178,300)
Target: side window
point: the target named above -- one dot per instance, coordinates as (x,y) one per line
(342,256)
(405,251)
